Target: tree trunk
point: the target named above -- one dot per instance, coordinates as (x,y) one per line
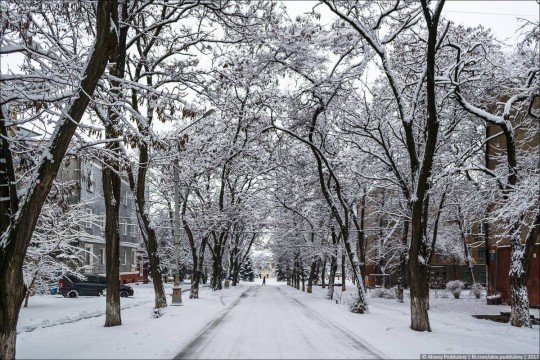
(17,230)
(343,287)
(216,271)
(229,269)
(418,267)
(519,311)
(402,269)
(29,290)
(418,275)
(112,185)
(418,272)
(361,241)
(317,271)
(236,271)
(148,232)
(111,193)
(331,277)
(233,263)
(160,299)
(199,272)
(26,299)
(323,274)
(194,293)
(195,280)
(312,276)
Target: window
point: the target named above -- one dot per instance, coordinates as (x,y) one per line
(101,222)
(133,230)
(89,255)
(468,228)
(125,198)
(124,228)
(90,181)
(482,253)
(481,228)
(101,256)
(124,258)
(133,257)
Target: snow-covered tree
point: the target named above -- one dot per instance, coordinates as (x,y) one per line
(246,271)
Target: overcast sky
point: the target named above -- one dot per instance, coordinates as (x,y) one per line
(500,16)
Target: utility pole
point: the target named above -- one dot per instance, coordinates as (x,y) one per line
(177,288)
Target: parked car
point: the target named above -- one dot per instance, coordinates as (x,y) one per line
(90,285)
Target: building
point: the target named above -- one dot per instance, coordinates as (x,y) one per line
(83,178)
(445,268)
(498,260)
(383,239)
(267,269)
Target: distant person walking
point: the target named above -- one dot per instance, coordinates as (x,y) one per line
(264,280)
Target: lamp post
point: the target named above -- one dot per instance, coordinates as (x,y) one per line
(177,288)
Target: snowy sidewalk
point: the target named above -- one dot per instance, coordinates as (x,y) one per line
(140,336)
(454,330)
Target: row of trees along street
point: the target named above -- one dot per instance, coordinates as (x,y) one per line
(289,134)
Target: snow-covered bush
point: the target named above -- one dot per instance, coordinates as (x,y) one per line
(455,287)
(444,294)
(477,289)
(384,293)
(357,306)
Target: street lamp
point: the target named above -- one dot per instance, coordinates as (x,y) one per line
(177,288)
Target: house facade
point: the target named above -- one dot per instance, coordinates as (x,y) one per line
(381,264)
(498,243)
(447,268)
(85,184)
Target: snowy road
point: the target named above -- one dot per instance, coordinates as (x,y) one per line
(265,322)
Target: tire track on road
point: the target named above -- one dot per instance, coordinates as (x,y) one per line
(359,343)
(203,335)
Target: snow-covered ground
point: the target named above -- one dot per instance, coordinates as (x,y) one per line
(79,330)
(252,321)
(454,330)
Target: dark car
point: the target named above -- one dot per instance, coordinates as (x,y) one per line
(89,285)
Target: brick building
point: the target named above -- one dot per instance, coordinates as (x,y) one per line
(498,261)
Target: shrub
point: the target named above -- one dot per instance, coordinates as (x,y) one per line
(384,293)
(477,289)
(455,287)
(444,294)
(356,306)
